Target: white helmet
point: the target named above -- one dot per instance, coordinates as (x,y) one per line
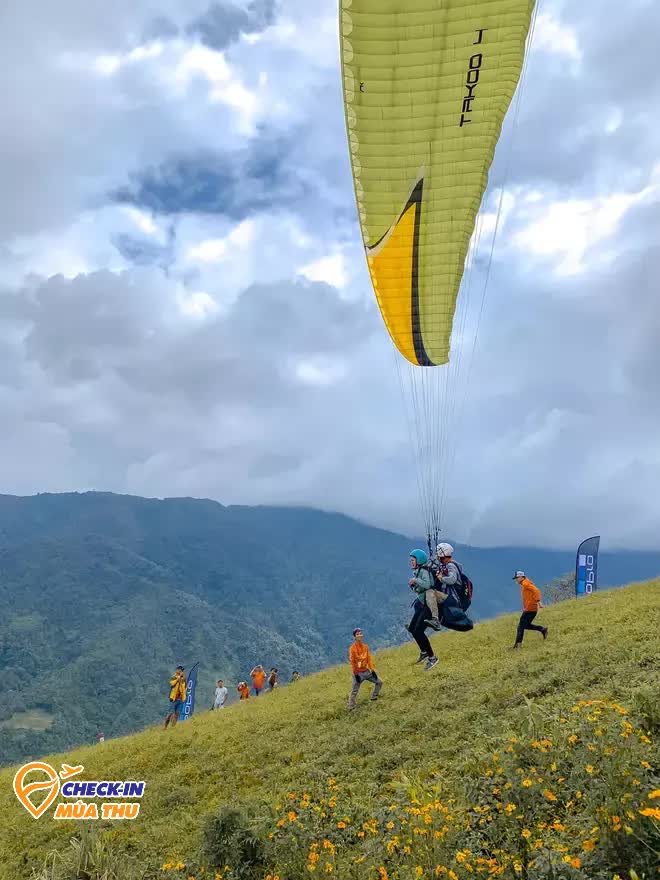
(444,550)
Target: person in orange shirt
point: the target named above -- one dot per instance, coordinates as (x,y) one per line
(243,690)
(531,598)
(258,679)
(363,668)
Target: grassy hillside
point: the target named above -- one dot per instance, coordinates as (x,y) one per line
(103,594)
(497,763)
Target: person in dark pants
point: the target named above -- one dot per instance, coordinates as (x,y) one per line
(417,629)
(363,668)
(531,598)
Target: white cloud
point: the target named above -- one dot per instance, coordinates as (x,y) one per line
(216,335)
(569,230)
(551,35)
(330,269)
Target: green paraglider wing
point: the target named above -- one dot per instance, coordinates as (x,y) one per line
(426,86)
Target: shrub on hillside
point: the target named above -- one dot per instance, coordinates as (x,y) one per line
(577,799)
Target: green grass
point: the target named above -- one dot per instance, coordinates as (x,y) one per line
(34,719)
(429,736)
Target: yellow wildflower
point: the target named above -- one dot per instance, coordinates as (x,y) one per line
(549,796)
(652,812)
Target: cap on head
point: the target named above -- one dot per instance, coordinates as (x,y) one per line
(443,550)
(519,574)
(421,557)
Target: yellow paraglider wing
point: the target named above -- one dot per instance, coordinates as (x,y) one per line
(426,86)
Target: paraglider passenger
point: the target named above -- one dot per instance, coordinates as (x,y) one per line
(362,665)
(423,584)
(178,688)
(531,598)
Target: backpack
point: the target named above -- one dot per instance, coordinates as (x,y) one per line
(464,587)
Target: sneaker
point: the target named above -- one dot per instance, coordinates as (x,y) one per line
(545,633)
(430,663)
(434,622)
(514,647)
(422,657)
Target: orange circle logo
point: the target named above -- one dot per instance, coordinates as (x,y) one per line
(23,790)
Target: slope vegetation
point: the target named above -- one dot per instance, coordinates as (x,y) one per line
(102,595)
(497,763)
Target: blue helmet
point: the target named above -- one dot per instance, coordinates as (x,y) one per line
(421,557)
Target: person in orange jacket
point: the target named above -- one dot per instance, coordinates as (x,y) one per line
(531,598)
(363,668)
(258,679)
(243,690)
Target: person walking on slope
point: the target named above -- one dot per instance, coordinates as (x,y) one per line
(178,689)
(272,679)
(243,690)
(531,598)
(258,679)
(362,665)
(221,694)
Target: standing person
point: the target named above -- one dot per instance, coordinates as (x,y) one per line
(221,694)
(295,676)
(363,668)
(100,736)
(258,679)
(243,690)
(178,688)
(531,599)
(272,679)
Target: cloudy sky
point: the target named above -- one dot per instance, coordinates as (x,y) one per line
(185,306)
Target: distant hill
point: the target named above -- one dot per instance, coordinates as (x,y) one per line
(495,764)
(102,595)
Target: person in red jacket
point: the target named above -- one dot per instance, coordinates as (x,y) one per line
(531,598)
(363,668)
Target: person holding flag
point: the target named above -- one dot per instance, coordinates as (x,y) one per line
(178,689)
(531,598)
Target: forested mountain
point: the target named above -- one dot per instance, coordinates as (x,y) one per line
(102,595)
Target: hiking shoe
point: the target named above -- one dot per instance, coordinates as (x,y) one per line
(434,622)
(430,663)
(545,633)
(422,657)
(517,645)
